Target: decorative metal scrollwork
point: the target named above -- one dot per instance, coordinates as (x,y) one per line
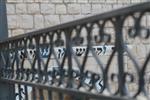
(30,58)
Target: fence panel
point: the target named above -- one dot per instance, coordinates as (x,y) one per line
(66,62)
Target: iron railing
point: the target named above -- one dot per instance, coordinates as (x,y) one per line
(27,58)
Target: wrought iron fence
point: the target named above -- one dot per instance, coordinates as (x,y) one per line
(27,59)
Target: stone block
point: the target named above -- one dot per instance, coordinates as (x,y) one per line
(124,1)
(148,20)
(26,21)
(12,21)
(106,7)
(10,9)
(16,32)
(147,49)
(70,1)
(57,1)
(141,51)
(38,21)
(51,20)
(111,1)
(14,1)
(74,8)
(33,8)
(29,30)
(76,17)
(96,8)
(21,8)
(61,9)
(86,8)
(47,8)
(136,1)
(82,1)
(9,33)
(28,1)
(97,1)
(66,18)
(42,1)
(117,6)
(144,21)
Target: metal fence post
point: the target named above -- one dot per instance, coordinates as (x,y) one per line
(7,91)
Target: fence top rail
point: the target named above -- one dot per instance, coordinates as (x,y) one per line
(106,15)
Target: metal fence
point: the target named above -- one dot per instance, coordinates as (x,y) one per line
(26,59)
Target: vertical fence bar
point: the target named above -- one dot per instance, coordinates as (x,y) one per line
(41,96)
(49,95)
(119,47)
(19,92)
(34,93)
(26,92)
(60,96)
(7,91)
(3,20)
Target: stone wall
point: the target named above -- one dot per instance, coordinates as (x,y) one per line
(28,15)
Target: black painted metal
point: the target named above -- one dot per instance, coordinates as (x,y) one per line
(24,66)
(3,20)
(6,90)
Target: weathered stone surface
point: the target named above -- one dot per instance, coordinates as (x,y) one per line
(11,9)
(141,51)
(61,9)
(143,21)
(47,8)
(38,21)
(78,16)
(33,8)
(56,1)
(26,21)
(136,1)
(42,1)
(12,1)
(29,1)
(66,18)
(148,20)
(117,6)
(16,32)
(82,1)
(111,1)
(70,1)
(29,30)
(74,8)
(51,20)
(12,21)
(124,1)
(21,8)
(96,8)
(86,8)
(97,1)
(106,7)
(147,49)
(91,65)
(9,33)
